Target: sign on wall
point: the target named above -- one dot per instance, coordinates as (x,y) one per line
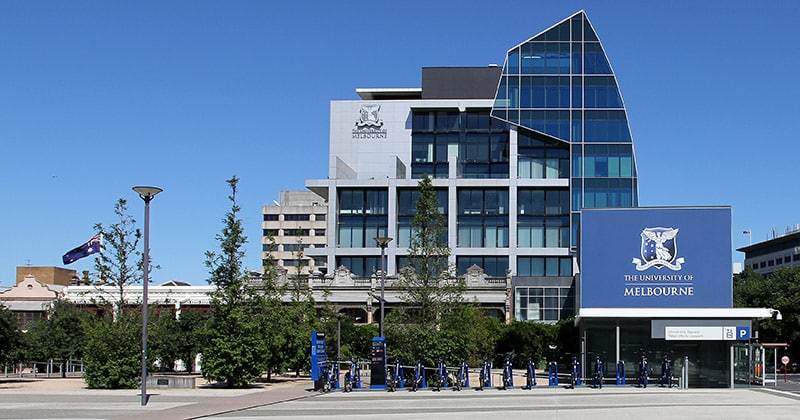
(656,258)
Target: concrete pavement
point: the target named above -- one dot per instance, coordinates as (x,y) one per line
(290,401)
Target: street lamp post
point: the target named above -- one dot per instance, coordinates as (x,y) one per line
(383,243)
(147,194)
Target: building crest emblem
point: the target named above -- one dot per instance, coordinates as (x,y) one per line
(659,249)
(369,116)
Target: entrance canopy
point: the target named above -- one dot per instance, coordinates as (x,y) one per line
(693,313)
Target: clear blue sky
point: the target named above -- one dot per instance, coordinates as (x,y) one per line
(96,97)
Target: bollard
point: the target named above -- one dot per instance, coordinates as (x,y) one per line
(621,372)
(685,373)
(553,374)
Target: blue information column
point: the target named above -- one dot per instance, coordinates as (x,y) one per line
(319,358)
(377,365)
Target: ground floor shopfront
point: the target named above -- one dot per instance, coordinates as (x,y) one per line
(708,348)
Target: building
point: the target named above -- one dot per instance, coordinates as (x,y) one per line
(772,254)
(50,275)
(515,153)
(657,282)
(30,299)
(291,226)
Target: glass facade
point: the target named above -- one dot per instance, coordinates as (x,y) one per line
(482,218)
(363,216)
(558,90)
(548,304)
(512,168)
(477,142)
(407,208)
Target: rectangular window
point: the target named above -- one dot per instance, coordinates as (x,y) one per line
(270,232)
(270,217)
(296,217)
(319,217)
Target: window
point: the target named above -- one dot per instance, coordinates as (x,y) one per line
(270,217)
(360,266)
(270,232)
(296,217)
(296,232)
(548,304)
(407,208)
(543,218)
(477,142)
(492,266)
(319,232)
(544,266)
(362,216)
(319,217)
(482,218)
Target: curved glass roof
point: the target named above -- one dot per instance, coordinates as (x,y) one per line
(560,83)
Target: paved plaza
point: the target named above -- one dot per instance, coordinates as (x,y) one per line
(294,400)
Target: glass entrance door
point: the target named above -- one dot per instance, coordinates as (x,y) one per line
(741,365)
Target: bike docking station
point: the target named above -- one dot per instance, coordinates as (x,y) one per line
(599,373)
(575,374)
(552,374)
(377,366)
(508,375)
(484,376)
(644,372)
(530,374)
(621,373)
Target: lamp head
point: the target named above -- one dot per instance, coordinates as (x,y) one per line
(147,193)
(383,242)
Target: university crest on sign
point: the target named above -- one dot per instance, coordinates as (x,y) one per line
(369,116)
(659,249)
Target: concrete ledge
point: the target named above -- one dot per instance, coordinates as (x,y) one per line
(170,381)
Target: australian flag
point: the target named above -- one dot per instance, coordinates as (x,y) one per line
(83,250)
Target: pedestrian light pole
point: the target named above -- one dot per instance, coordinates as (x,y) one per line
(147,194)
(383,243)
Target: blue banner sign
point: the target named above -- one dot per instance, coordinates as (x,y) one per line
(677,257)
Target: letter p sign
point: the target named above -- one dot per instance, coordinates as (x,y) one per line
(742,333)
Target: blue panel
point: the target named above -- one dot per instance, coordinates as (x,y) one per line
(656,258)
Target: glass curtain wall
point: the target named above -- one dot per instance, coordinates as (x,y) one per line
(559,90)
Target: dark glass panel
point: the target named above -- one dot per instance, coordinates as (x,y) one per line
(422,121)
(588,32)
(577,29)
(577,58)
(513,62)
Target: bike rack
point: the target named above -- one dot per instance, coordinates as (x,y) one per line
(553,374)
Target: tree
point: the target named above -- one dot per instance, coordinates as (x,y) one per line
(434,321)
(165,339)
(60,336)
(10,336)
(234,352)
(113,352)
(780,290)
(120,263)
(430,289)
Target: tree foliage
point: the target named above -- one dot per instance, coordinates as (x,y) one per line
(780,290)
(60,336)
(234,352)
(10,336)
(120,263)
(435,321)
(113,352)
(429,288)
